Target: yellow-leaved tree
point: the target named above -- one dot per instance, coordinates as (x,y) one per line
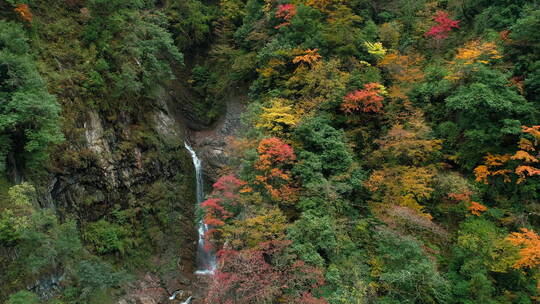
(473,52)
(406,178)
(279,117)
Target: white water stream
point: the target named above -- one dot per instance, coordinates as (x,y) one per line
(206,260)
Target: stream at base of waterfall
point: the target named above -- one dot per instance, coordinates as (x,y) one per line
(206,259)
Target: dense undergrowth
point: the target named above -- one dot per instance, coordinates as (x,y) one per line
(391,154)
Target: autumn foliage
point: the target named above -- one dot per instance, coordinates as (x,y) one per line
(24,12)
(219,207)
(368,100)
(529,242)
(285,12)
(263,275)
(523,159)
(273,167)
(279,117)
(310,56)
(444,26)
(273,151)
(477,52)
(476,208)
(403,68)
(343,139)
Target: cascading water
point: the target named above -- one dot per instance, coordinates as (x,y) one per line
(206,260)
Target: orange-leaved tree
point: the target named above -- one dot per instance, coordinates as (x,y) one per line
(273,169)
(369,100)
(472,53)
(309,57)
(404,70)
(477,52)
(522,164)
(24,12)
(529,243)
(476,208)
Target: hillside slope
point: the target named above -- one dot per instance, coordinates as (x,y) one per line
(359,151)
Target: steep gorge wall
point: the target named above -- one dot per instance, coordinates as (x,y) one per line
(122,169)
(151,176)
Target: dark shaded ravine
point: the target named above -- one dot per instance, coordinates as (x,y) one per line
(209,145)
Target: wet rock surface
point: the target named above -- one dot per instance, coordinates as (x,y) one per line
(211,144)
(151,289)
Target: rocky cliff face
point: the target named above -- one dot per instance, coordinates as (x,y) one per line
(133,164)
(212,142)
(122,163)
(119,157)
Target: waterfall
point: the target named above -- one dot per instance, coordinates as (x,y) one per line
(206,260)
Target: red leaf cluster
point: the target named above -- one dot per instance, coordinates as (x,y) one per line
(273,151)
(444,26)
(228,186)
(215,212)
(263,275)
(286,12)
(224,196)
(367,100)
(275,158)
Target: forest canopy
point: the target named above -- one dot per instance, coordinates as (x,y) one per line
(389,150)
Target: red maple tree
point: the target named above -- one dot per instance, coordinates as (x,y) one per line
(273,151)
(264,275)
(273,166)
(219,207)
(286,12)
(367,100)
(444,26)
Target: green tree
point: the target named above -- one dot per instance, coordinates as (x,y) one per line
(23,297)
(108,237)
(480,256)
(138,52)
(406,274)
(29,115)
(93,276)
(17,212)
(189,23)
(487,111)
(314,238)
(324,144)
(478,114)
